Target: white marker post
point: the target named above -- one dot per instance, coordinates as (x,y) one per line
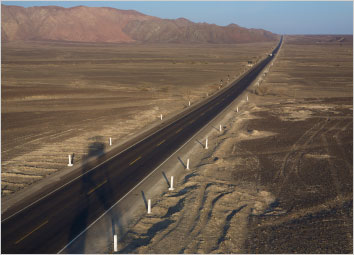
(237,109)
(220,129)
(115,243)
(70,162)
(110,141)
(171,186)
(247,98)
(206,143)
(161,116)
(149,206)
(187,164)
(189,103)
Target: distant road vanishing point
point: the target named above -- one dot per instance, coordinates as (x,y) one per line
(50,220)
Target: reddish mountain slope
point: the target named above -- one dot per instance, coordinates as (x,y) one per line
(101,24)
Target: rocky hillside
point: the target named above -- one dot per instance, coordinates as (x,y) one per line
(102,24)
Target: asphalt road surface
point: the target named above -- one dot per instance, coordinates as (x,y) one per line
(47,225)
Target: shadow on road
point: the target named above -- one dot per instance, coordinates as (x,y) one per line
(96,196)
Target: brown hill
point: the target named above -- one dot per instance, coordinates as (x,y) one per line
(102,24)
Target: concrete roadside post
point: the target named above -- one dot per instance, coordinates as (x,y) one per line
(149,206)
(187,167)
(220,128)
(115,245)
(237,109)
(206,143)
(110,141)
(171,185)
(161,116)
(70,162)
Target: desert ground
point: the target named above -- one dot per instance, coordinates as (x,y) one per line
(63,98)
(279,177)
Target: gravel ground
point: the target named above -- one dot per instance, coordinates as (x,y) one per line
(65,98)
(278,178)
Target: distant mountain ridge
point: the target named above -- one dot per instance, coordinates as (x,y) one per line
(104,24)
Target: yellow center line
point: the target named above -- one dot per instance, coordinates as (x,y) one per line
(99,185)
(131,163)
(19,240)
(179,130)
(160,143)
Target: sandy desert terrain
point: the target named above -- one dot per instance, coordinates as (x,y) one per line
(279,178)
(64,98)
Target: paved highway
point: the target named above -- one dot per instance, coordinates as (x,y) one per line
(47,225)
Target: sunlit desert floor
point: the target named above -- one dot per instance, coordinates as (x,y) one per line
(64,98)
(279,177)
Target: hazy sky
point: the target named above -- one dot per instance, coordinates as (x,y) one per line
(278,17)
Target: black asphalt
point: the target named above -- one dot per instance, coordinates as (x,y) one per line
(49,224)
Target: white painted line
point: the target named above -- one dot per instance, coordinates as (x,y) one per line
(182,116)
(145,138)
(202,129)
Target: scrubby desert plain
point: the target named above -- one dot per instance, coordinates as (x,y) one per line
(279,178)
(64,98)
